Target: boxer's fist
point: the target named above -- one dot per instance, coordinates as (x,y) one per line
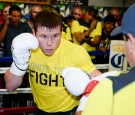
(75,80)
(20,48)
(79,82)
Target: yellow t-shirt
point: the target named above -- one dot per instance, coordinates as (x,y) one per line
(102,101)
(45,77)
(66,33)
(76,27)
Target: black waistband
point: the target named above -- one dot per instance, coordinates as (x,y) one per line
(40,112)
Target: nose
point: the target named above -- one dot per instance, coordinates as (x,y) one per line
(49,42)
(18,18)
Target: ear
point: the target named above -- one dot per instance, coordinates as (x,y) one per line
(33,32)
(131,39)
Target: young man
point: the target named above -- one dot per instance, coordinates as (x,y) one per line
(115,95)
(87,31)
(46,65)
(11,28)
(77,12)
(33,12)
(115,12)
(108,26)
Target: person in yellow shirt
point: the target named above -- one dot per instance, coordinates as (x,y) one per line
(115,95)
(66,29)
(44,54)
(87,31)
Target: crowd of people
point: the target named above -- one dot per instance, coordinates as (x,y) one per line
(41,47)
(82,27)
(92,32)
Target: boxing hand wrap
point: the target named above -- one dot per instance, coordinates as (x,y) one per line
(20,48)
(82,103)
(84,98)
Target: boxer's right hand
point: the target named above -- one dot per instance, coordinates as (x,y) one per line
(21,46)
(75,80)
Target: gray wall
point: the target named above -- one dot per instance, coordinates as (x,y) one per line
(111,3)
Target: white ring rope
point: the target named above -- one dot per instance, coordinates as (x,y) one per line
(28,90)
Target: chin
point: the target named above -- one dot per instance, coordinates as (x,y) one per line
(49,54)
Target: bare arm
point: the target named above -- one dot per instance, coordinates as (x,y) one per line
(12,81)
(81,37)
(95,73)
(3,32)
(96,40)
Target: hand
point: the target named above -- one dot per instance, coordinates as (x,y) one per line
(21,46)
(75,80)
(103,49)
(93,24)
(7,18)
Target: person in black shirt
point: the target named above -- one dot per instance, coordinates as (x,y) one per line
(108,26)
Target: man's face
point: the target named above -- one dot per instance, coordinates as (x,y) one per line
(89,16)
(35,10)
(5,11)
(49,39)
(77,12)
(115,13)
(109,26)
(15,18)
(129,47)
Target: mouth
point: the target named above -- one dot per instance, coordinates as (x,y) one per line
(49,51)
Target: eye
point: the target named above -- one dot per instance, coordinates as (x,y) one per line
(55,36)
(43,36)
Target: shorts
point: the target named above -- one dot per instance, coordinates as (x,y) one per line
(40,112)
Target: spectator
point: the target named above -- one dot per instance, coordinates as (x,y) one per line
(6,10)
(33,12)
(77,12)
(46,64)
(66,31)
(11,28)
(108,26)
(5,13)
(116,14)
(87,31)
(117,97)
